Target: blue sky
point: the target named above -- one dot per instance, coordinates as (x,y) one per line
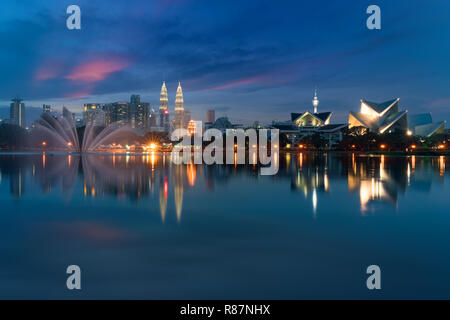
(250,60)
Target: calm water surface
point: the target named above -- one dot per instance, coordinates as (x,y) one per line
(140,227)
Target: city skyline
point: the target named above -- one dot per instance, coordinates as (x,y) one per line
(260,67)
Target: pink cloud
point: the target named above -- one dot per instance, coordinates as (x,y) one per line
(79,94)
(49,70)
(96,70)
(247,81)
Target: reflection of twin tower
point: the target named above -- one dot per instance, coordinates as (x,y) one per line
(182,116)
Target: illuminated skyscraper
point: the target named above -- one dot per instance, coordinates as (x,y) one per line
(17,112)
(46,108)
(164,108)
(138,112)
(91,112)
(179,108)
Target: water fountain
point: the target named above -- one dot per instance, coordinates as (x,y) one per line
(58,133)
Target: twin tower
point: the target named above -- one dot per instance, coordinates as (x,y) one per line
(182,116)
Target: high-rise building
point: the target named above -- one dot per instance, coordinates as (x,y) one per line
(91,112)
(152,123)
(135,100)
(138,112)
(141,115)
(210,116)
(186,118)
(117,112)
(46,108)
(179,109)
(164,108)
(17,112)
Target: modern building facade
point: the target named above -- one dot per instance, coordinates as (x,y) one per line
(138,112)
(308,123)
(379,117)
(164,108)
(91,112)
(422,125)
(179,109)
(17,112)
(46,108)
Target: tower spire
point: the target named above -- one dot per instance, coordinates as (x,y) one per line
(315,101)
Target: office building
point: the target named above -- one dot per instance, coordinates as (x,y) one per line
(17,112)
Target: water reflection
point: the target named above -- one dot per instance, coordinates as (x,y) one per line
(373,179)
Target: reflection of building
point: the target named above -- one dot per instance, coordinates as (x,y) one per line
(379,117)
(422,125)
(178,190)
(17,112)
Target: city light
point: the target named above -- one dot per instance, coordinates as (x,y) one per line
(44,143)
(153,146)
(409,133)
(383,146)
(441,146)
(413,146)
(69,144)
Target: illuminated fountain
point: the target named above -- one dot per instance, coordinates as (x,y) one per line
(60,134)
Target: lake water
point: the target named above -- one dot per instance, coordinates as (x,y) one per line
(140,227)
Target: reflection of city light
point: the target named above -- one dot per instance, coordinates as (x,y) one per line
(371,190)
(326,183)
(166,188)
(191,174)
(441,165)
(300,160)
(43,160)
(314,201)
(152,159)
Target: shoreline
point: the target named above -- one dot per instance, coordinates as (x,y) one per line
(430,153)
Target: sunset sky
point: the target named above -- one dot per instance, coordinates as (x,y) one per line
(250,60)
